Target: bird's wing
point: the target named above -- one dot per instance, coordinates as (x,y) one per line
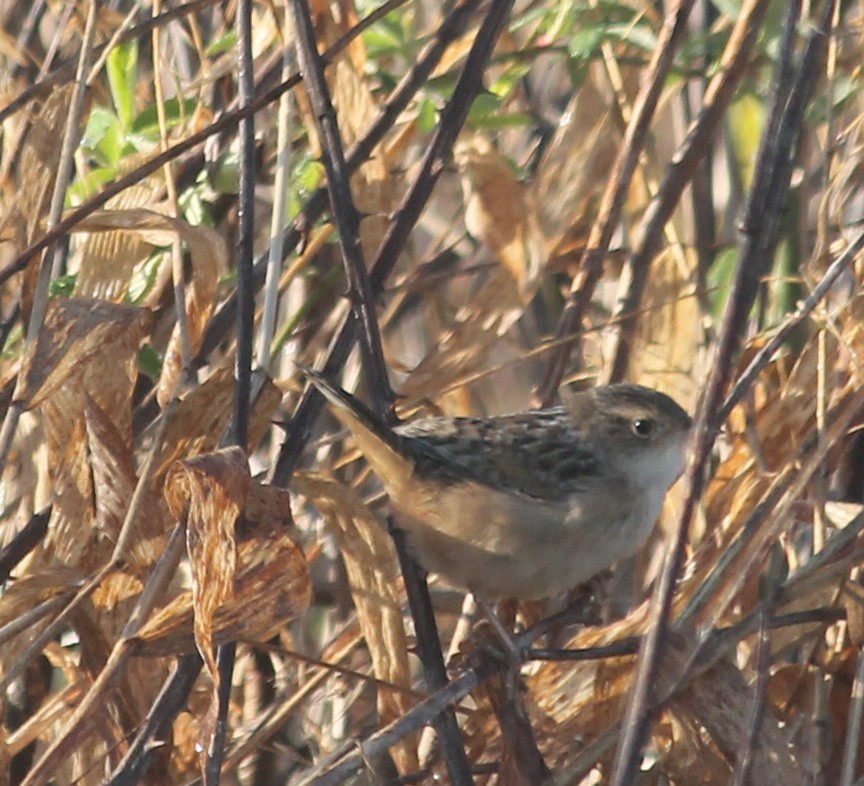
(393,456)
(537,454)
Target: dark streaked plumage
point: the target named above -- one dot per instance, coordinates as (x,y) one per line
(539,454)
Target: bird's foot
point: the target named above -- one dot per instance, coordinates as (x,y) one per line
(515,653)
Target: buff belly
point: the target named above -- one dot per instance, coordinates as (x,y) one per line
(503,545)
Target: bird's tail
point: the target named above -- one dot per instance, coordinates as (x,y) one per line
(381,446)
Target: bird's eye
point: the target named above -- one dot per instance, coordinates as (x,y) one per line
(643,427)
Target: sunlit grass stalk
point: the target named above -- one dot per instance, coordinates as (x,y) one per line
(285,129)
(176,246)
(47,268)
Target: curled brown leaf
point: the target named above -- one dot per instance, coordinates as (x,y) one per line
(271,587)
(209,255)
(76,332)
(208,493)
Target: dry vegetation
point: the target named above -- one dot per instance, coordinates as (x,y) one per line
(577,191)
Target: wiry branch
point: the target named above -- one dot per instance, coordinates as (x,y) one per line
(770,187)
(612,201)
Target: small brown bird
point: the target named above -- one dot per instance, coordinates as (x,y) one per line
(529,504)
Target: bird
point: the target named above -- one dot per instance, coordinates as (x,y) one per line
(529,504)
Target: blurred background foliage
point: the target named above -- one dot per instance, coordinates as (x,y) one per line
(119,340)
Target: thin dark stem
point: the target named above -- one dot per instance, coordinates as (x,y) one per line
(429,649)
(449,30)
(227,122)
(157,727)
(24,542)
(757,709)
(770,186)
(239,432)
(453,118)
(612,202)
(629,646)
(682,170)
(245,230)
(342,205)
(225,659)
(67,70)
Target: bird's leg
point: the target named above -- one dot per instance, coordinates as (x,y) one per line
(576,613)
(522,758)
(514,656)
(584,610)
(515,653)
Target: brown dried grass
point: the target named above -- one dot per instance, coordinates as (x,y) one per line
(308,583)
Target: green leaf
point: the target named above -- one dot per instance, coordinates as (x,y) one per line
(144,277)
(639,36)
(391,37)
(720,279)
(99,121)
(14,343)
(224,176)
(122,69)
(503,120)
(427,117)
(443,84)
(309,175)
(384,39)
(195,208)
(88,185)
(222,45)
(103,136)
(484,105)
(104,139)
(176,112)
(487,112)
(229,279)
(114,145)
(746,118)
(149,362)
(512,76)
(62,286)
(585,43)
